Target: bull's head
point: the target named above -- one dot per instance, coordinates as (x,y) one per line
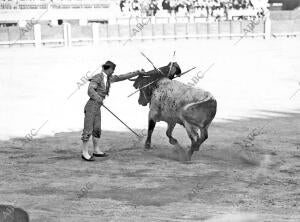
(145,92)
(142,82)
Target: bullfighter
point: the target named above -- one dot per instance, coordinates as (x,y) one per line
(98,89)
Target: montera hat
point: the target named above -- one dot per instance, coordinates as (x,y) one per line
(109,64)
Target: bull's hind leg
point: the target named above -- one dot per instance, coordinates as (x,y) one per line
(170,129)
(192,133)
(203,137)
(201,115)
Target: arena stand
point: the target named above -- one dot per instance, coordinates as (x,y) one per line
(63,4)
(74,22)
(207,9)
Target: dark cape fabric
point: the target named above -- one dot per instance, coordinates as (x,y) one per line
(154,75)
(165,70)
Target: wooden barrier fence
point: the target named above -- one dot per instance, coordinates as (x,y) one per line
(96,33)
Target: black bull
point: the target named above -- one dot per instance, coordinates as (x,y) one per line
(176,103)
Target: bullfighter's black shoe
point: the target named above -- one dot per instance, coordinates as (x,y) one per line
(100,155)
(90,159)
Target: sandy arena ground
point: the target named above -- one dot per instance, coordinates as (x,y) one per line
(241,172)
(231,174)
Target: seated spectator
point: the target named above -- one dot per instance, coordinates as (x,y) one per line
(135,5)
(166,5)
(236,4)
(179,8)
(153,7)
(189,6)
(173,5)
(122,5)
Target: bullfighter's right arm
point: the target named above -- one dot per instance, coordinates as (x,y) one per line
(117,78)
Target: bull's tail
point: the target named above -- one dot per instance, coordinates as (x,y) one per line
(201,113)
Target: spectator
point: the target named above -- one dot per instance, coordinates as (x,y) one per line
(122,5)
(179,8)
(166,5)
(135,5)
(153,7)
(173,4)
(189,6)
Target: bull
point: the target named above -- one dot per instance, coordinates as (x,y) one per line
(176,103)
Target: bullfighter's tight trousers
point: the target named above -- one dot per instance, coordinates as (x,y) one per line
(92,121)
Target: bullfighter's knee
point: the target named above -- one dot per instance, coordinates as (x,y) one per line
(86,136)
(97,133)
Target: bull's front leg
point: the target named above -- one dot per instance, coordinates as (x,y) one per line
(169,132)
(151,125)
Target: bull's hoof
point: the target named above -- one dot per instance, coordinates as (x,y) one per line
(173,141)
(189,155)
(196,148)
(148,146)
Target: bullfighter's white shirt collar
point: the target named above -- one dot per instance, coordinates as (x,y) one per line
(104,77)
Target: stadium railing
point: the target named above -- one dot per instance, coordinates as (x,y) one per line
(95,33)
(125,29)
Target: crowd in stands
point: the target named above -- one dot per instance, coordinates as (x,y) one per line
(40,4)
(199,8)
(209,9)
